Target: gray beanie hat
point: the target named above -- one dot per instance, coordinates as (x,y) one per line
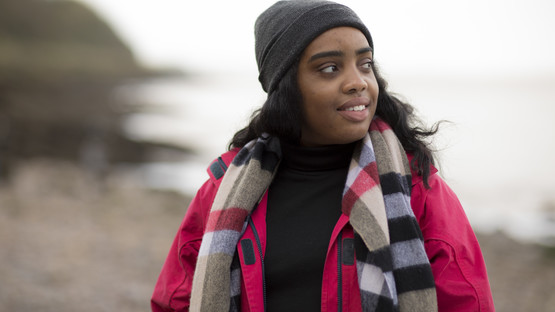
(285,29)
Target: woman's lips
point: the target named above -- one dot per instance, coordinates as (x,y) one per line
(355,110)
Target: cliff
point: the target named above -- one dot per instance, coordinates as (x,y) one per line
(59,65)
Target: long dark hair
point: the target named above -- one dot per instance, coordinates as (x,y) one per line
(281,116)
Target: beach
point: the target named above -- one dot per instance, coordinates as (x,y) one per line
(72,241)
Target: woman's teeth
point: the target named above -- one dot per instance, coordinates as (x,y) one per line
(356,108)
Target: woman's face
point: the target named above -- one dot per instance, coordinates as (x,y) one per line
(338,88)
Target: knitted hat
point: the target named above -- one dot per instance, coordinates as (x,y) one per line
(285,29)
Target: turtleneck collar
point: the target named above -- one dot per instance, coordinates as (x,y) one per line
(316,158)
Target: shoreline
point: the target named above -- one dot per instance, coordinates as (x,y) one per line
(73,243)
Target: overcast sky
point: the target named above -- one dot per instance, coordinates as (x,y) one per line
(489,37)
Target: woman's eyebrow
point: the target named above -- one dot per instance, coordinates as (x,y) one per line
(337,53)
(325,54)
(363,50)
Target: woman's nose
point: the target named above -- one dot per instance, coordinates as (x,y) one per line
(354,81)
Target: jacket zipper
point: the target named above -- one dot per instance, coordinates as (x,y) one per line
(257,238)
(339,275)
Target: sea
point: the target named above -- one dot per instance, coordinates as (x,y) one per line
(495,147)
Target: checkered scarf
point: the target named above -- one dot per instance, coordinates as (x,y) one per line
(394,275)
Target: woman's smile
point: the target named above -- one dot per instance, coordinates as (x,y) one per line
(355,110)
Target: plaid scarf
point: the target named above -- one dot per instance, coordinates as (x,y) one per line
(394,275)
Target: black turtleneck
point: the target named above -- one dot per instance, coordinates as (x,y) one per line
(304,204)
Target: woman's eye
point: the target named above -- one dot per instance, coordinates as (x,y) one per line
(367,65)
(329,69)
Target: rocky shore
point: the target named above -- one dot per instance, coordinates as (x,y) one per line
(76,235)
(72,242)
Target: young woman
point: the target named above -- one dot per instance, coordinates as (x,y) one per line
(328,200)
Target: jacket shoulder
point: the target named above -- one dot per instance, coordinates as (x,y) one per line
(418,178)
(218,166)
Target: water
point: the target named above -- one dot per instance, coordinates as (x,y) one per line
(497,152)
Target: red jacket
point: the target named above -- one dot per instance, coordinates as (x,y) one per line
(455,256)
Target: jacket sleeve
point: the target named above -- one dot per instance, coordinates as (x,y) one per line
(173,288)
(451,245)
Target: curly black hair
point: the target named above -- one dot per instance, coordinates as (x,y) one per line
(281,116)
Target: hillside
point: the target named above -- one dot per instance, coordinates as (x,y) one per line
(47,40)
(59,65)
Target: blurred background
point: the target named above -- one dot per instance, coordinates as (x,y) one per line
(110,111)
